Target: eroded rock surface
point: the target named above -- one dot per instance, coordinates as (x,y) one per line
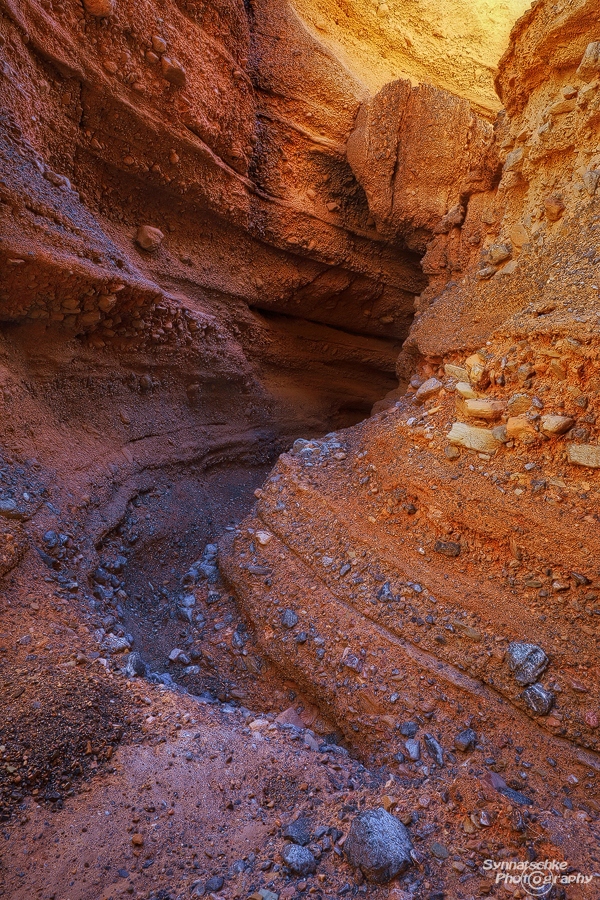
(440,557)
(214,238)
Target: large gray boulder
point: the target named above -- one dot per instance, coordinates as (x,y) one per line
(379,845)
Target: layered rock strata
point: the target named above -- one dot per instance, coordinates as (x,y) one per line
(417,549)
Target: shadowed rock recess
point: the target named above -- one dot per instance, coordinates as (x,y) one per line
(299,448)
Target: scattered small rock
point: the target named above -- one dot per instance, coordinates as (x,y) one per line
(556,424)
(526,661)
(8,509)
(159,45)
(299,859)
(149,238)
(473,438)
(100,8)
(173,71)
(434,749)
(298,832)
(538,699)
(135,667)
(584,455)
(554,208)
(465,740)
(428,389)
(413,748)
(289,619)
(439,851)
(447,548)
(409,729)
(458,372)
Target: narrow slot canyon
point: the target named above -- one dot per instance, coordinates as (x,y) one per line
(299,449)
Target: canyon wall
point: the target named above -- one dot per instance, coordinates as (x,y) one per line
(198,265)
(223,235)
(441,557)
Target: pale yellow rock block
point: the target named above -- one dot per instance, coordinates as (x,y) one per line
(473,438)
(584,455)
(484,409)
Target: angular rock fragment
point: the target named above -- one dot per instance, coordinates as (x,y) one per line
(135,667)
(413,748)
(439,850)
(515,796)
(556,424)
(298,832)
(500,433)
(289,619)
(185,606)
(526,661)
(159,45)
(562,107)
(352,661)
(464,390)
(538,699)
(379,845)
(484,409)
(499,253)
(385,593)
(591,179)
(465,740)
(467,631)
(521,429)
(116,644)
(428,389)
(473,438)
(173,71)
(447,548)
(514,160)
(584,455)
(9,509)
(554,207)
(458,372)
(589,67)
(518,403)
(149,238)
(100,8)
(299,859)
(434,749)
(409,729)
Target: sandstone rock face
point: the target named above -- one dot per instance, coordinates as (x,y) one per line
(407,152)
(365,553)
(196,151)
(424,41)
(419,476)
(542,218)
